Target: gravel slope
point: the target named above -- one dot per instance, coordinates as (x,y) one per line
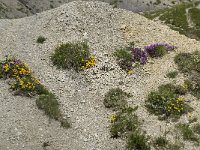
(25,127)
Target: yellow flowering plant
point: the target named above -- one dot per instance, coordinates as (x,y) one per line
(25,86)
(86,64)
(167,101)
(13,68)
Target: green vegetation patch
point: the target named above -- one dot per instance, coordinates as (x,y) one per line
(172,74)
(138,140)
(167,101)
(73,56)
(25,84)
(176,18)
(123,123)
(196,128)
(160,142)
(187,132)
(124,58)
(195,15)
(49,103)
(116,99)
(189,64)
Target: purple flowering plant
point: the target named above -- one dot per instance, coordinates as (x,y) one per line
(129,55)
(158,49)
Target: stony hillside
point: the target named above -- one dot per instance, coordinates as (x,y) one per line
(81,95)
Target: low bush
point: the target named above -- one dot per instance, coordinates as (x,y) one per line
(49,104)
(137,141)
(123,123)
(160,142)
(187,132)
(73,56)
(116,99)
(167,101)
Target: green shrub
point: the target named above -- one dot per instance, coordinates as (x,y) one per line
(172,74)
(123,123)
(49,104)
(71,55)
(116,99)
(137,141)
(166,101)
(41,39)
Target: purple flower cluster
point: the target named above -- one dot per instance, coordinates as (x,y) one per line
(151,49)
(142,55)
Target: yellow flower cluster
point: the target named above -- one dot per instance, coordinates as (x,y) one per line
(91,62)
(27,83)
(113,118)
(19,70)
(16,70)
(6,67)
(177,106)
(24,81)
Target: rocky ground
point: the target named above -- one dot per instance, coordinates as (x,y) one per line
(81,95)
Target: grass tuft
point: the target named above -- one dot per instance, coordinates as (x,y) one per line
(160,142)
(137,141)
(41,39)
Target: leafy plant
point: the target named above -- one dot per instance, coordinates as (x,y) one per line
(116,99)
(73,56)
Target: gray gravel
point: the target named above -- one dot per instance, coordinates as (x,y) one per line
(25,127)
